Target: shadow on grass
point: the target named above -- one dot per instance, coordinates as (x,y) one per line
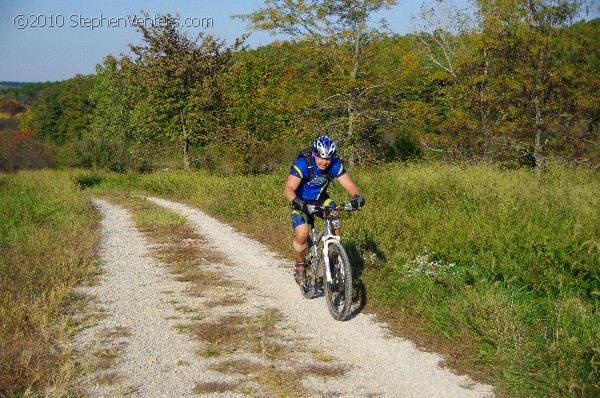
(357,252)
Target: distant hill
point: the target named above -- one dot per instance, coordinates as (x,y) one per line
(12,84)
(25,93)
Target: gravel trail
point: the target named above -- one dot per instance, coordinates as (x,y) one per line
(136,292)
(132,293)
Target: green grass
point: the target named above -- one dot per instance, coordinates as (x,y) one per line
(502,262)
(498,269)
(506,268)
(47,236)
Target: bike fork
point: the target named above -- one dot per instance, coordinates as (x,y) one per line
(326,255)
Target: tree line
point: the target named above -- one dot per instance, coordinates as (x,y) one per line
(514,82)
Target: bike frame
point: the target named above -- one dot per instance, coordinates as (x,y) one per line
(336,279)
(327,234)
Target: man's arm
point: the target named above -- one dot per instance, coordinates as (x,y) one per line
(349,185)
(291,185)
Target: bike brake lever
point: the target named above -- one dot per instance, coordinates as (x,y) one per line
(311,208)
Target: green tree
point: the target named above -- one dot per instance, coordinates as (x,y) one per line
(530,63)
(25,94)
(513,76)
(260,101)
(337,33)
(109,142)
(180,81)
(457,55)
(61,113)
(45,114)
(581,131)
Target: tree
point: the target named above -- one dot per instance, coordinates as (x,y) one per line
(180,81)
(337,32)
(109,143)
(45,114)
(537,46)
(514,71)
(10,107)
(61,113)
(263,93)
(457,55)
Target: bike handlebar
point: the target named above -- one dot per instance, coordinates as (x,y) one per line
(345,206)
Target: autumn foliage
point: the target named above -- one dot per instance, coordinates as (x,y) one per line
(10,107)
(21,151)
(516,85)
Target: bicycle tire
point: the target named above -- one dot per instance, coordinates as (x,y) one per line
(338,292)
(309,287)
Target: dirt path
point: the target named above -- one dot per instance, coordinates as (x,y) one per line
(158,360)
(139,332)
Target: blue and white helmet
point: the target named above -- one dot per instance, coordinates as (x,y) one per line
(324,147)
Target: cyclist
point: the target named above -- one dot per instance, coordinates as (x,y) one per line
(307,184)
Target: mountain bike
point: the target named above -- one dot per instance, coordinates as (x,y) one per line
(327,265)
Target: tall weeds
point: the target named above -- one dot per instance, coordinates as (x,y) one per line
(506,260)
(502,265)
(47,235)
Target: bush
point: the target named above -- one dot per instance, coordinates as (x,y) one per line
(21,151)
(10,107)
(87,180)
(405,147)
(98,152)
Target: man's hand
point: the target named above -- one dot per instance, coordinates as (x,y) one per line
(299,204)
(357,201)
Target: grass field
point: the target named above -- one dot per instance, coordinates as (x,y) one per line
(47,238)
(498,270)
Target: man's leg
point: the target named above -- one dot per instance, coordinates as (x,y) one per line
(299,222)
(300,239)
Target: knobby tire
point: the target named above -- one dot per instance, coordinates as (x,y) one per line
(309,287)
(338,293)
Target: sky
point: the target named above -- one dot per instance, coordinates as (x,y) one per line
(52,40)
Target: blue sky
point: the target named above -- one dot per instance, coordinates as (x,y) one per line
(72,46)
(68,44)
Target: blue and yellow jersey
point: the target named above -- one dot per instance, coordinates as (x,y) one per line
(317,186)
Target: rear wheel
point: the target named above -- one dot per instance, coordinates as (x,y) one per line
(309,287)
(338,292)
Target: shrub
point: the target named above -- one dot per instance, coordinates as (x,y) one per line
(10,107)
(403,148)
(21,151)
(87,180)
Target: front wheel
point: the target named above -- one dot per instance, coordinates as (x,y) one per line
(338,292)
